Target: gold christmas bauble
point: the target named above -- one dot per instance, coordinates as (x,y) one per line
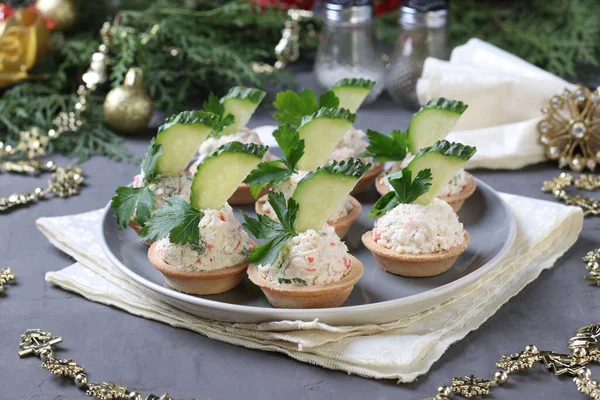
(128,108)
(62,12)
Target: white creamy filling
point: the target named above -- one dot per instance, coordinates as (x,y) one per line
(288,187)
(454,187)
(419,229)
(165,186)
(225,244)
(353,144)
(310,258)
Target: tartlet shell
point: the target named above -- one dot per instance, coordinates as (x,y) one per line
(456,201)
(243,196)
(414,265)
(341,225)
(198,282)
(367,179)
(293,296)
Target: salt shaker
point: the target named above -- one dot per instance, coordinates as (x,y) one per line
(348,47)
(423,33)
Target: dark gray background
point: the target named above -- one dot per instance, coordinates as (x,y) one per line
(152,357)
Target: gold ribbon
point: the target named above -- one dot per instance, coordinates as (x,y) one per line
(24,39)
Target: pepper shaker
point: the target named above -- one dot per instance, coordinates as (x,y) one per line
(348,47)
(423,33)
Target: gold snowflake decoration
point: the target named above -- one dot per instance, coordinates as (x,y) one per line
(6,275)
(62,367)
(516,362)
(107,391)
(471,386)
(570,129)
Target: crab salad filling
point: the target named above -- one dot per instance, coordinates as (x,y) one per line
(288,187)
(419,229)
(167,185)
(310,258)
(224,244)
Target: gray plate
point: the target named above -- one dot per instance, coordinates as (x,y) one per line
(378,297)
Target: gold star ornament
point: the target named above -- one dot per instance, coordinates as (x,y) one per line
(570,129)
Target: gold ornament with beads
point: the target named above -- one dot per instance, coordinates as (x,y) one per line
(128,108)
(570,129)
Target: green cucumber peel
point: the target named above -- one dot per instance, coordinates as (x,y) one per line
(453,149)
(351,167)
(257,150)
(244,93)
(355,83)
(441,103)
(191,117)
(332,113)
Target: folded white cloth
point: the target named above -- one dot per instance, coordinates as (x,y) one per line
(400,350)
(505,95)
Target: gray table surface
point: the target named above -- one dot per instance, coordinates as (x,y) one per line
(153,357)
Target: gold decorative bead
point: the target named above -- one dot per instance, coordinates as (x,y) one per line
(501,377)
(46,354)
(81,380)
(532,349)
(444,391)
(579,352)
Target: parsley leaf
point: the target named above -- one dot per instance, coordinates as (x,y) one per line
(293,107)
(150,159)
(213,105)
(278,234)
(132,200)
(405,190)
(386,148)
(289,141)
(271,172)
(178,219)
(274,172)
(289,281)
(328,99)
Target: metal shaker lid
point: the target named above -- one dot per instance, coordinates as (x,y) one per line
(424,13)
(349,11)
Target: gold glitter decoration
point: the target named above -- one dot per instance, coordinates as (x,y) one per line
(592,264)
(33,341)
(470,386)
(557,185)
(62,367)
(584,348)
(570,129)
(39,343)
(65,182)
(6,275)
(517,362)
(107,391)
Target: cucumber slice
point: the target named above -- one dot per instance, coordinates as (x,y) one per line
(222,171)
(321,132)
(320,193)
(433,122)
(444,159)
(352,92)
(180,136)
(240,102)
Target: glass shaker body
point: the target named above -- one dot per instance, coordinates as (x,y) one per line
(350,50)
(414,44)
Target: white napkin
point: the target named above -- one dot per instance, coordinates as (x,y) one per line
(400,350)
(505,95)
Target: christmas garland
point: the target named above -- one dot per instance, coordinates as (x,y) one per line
(186,49)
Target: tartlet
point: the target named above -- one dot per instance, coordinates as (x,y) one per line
(456,201)
(367,179)
(414,265)
(198,282)
(323,296)
(341,225)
